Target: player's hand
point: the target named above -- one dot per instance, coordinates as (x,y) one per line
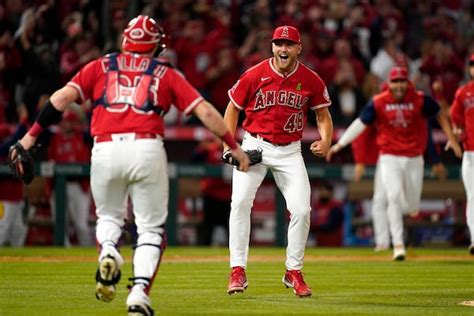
(439,171)
(359,171)
(242,157)
(28,141)
(457,131)
(454,145)
(333,150)
(320,148)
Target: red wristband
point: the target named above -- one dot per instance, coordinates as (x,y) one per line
(229,140)
(35,130)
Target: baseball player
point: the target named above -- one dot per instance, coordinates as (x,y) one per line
(130,92)
(13,230)
(462,116)
(68,146)
(275,96)
(366,151)
(400,116)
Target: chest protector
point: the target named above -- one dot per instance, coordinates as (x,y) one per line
(137,96)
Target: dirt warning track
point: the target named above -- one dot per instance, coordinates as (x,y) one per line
(255,258)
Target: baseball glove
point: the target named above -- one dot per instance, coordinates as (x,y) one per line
(21,163)
(255,156)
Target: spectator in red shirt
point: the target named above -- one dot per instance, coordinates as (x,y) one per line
(224,71)
(195,51)
(68,146)
(442,64)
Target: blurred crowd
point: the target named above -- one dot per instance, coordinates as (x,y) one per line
(351,44)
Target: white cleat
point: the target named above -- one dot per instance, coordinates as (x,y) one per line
(399,254)
(140,310)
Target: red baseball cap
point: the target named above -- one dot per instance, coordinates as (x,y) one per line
(398,73)
(285,32)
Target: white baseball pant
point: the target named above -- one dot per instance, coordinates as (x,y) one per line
(379,213)
(77,210)
(467,171)
(289,171)
(136,168)
(12,227)
(402,180)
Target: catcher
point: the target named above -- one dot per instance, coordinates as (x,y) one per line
(128,157)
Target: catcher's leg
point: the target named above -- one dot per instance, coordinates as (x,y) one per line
(149,194)
(110,196)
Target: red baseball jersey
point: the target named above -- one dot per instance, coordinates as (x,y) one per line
(69,148)
(401,125)
(168,87)
(364,148)
(462,113)
(275,105)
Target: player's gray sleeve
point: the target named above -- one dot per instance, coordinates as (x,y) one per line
(355,129)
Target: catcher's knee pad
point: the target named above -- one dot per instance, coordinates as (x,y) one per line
(152,238)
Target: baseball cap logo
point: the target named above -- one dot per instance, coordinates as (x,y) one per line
(137,33)
(286,32)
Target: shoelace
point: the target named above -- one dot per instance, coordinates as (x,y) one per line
(297,276)
(237,273)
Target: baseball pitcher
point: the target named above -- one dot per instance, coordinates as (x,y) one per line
(276,95)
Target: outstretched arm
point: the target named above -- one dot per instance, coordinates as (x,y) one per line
(51,113)
(452,140)
(355,129)
(214,122)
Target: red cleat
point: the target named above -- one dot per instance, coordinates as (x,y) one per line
(237,281)
(294,279)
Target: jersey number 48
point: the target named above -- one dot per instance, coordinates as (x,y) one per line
(294,123)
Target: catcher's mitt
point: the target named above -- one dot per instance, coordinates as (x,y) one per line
(255,156)
(21,163)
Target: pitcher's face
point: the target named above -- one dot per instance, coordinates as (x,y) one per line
(285,53)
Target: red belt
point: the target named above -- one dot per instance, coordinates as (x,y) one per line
(108,137)
(266,140)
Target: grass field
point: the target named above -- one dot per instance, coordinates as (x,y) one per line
(58,281)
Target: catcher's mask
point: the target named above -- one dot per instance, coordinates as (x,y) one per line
(142,35)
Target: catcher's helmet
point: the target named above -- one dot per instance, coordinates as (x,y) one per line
(142,35)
